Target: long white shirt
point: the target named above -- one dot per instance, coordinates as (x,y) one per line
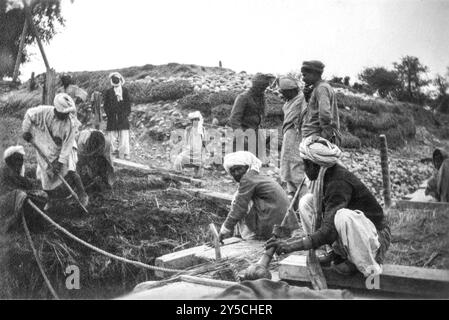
(46,129)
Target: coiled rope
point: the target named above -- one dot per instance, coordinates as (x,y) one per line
(107,254)
(36,256)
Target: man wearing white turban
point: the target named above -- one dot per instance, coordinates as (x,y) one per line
(12,175)
(259,203)
(117,106)
(341,212)
(194,143)
(53,130)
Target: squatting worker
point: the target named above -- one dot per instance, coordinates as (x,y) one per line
(322,117)
(248,110)
(349,216)
(53,129)
(259,203)
(438,185)
(194,144)
(95,165)
(117,106)
(292,171)
(12,173)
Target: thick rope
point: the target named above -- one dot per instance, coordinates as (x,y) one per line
(41,268)
(107,254)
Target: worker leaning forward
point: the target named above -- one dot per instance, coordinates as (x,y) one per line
(295,107)
(349,216)
(53,130)
(322,119)
(259,203)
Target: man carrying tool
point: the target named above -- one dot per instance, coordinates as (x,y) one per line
(438,185)
(52,129)
(95,165)
(349,217)
(259,202)
(295,107)
(322,119)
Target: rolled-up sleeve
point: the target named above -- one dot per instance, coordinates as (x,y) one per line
(240,204)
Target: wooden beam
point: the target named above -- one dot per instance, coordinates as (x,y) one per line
(189,257)
(385,170)
(217,197)
(420,205)
(19,53)
(96,107)
(166,174)
(50,87)
(29,17)
(395,278)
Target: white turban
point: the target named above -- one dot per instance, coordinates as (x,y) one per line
(287,83)
(242,158)
(64,103)
(319,151)
(118,87)
(13,149)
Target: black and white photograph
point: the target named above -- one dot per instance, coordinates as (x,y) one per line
(224,154)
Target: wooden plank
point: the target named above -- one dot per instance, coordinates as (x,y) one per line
(217,197)
(420,205)
(395,278)
(164,173)
(189,257)
(50,87)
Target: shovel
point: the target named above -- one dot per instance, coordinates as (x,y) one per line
(74,195)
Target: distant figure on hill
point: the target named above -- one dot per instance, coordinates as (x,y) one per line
(194,144)
(117,106)
(322,119)
(438,185)
(78,95)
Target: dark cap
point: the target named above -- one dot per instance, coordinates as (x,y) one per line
(313,65)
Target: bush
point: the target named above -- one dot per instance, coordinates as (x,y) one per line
(223,97)
(196,101)
(18,103)
(140,91)
(171,90)
(222,113)
(350,141)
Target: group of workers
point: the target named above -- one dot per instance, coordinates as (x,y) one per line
(69,160)
(337,212)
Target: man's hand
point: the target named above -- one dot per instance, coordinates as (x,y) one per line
(281,246)
(27,136)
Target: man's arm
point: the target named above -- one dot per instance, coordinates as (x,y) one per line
(337,196)
(235,120)
(126,102)
(240,205)
(324,111)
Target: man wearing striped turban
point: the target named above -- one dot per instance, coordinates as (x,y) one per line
(340,211)
(259,203)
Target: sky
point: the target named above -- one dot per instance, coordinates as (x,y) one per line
(249,35)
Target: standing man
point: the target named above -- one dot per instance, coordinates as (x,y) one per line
(292,171)
(322,119)
(249,107)
(117,106)
(53,131)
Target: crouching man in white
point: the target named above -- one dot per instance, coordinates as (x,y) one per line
(345,213)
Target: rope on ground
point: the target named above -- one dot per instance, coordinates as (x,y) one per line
(107,254)
(41,268)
